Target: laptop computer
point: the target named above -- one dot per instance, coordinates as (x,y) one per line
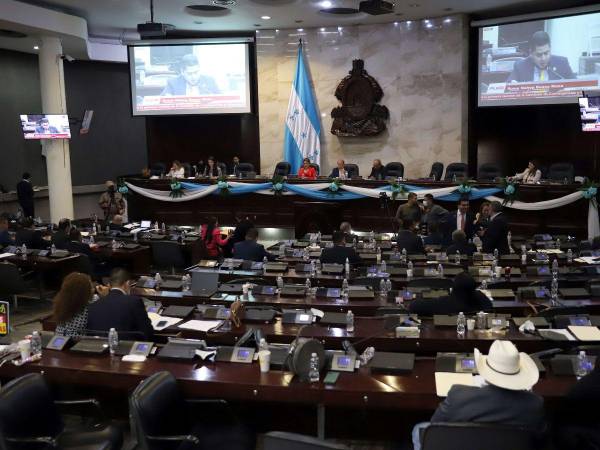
(388,362)
(335,269)
(293,290)
(210,312)
(91,345)
(333,318)
(328,292)
(301,267)
(184,349)
(178,311)
(230,288)
(259,315)
(204,284)
(145,224)
(297,317)
(276,267)
(171,285)
(265,290)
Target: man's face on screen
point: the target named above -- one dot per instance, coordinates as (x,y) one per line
(541,56)
(192,74)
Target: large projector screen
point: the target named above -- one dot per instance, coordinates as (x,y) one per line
(540,61)
(189,78)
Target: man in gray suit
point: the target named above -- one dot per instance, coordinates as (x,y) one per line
(506,399)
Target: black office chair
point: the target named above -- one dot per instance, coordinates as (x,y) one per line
(434,283)
(80,264)
(394,170)
(29,418)
(163,420)
(11,282)
(282,169)
(245,169)
(489,172)
(167,255)
(475,436)
(352,170)
(560,171)
(223,167)
(437,170)
(157,169)
(187,170)
(458,169)
(277,440)
(316,167)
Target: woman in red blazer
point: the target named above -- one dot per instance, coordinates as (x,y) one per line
(306,171)
(211,236)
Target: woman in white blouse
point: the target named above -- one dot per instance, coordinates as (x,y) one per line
(177,171)
(530,175)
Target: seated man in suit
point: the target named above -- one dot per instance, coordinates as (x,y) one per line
(190,81)
(340,171)
(120,310)
(339,252)
(250,250)
(5,237)
(29,236)
(408,238)
(76,246)
(495,236)
(541,65)
(410,211)
(239,233)
(505,400)
(460,244)
(116,224)
(462,219)
(60,239)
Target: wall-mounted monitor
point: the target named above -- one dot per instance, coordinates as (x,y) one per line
(45,126)
(589,110)
(539,61)
(173,77)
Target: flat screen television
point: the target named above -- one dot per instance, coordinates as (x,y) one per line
(589,110)
(45,126)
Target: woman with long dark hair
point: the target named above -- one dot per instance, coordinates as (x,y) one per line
(212,169)
(211,236)
(531,175)
(71,304)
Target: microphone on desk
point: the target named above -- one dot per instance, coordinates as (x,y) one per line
(390,323)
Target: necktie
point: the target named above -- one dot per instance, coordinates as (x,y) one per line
(542,75)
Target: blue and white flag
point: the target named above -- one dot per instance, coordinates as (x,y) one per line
(302,125)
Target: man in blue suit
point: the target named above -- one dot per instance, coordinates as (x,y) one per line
(250,250)
(541,65)
(190,81)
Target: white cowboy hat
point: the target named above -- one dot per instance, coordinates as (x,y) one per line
(505,367)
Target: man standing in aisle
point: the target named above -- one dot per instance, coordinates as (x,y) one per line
(25,195)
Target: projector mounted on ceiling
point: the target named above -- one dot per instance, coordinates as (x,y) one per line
(376,7)
(151,30)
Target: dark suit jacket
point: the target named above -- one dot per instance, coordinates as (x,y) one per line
(238,235)
(450,305)
(338,254)
(251,251)
(61,240)
(558,69)
(378,174)
(491,404)
(464,249)
(5,238)
(80,247)
(178,86)
(496,235)
(335,173)
(469,225)
(125,313)
(31,238)
(410,241)
(25,196)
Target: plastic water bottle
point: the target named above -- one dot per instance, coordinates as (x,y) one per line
(319,236)
(156,226)
(457,257)
(36,343)
(494,265)
(265,260)
(94,229)
(113,341)
(440,269)
(114,245)
(554,292)
(404,256)
(461,324)
(157,280)
(383,266)
(583,367)
(313,267)
(107,229)
(345,285)
(570,256)
(558,243)
(92,241)
(409,270)
(484,285)
(524,258)
(378,255)
(313,373)
(496,254)
(347,268)
(523,249)
(306,254)
(509,238)
(388,285)
(307,283)
(555,267)
(24,251)
(262,345)
(350,322)
(382,288)
(163,227)
(280,282)
(52,249)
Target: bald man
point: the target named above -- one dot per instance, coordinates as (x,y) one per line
(340,171)
(111,201)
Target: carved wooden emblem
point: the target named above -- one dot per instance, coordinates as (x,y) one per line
(359,115)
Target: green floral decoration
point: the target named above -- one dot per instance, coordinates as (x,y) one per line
(590,191)
(278,185)
(510,190)
(398,190)
(223,185)
(122,187)
(176,189)
(334,186)
(465,187)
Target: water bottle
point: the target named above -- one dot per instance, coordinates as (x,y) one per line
(94,229)
(404,256)
(313,374)
(280,282)
(263,346)
(114,245)
(570,256)
(383,266)
(524,258)
(555,267)
(440,269)
(509,238)
(345,285)
(347,268)
(484,285)
(163,227)
(265,260)
(36,343)
(454,178)
(523,249)
(367,355)
(382,287)
(388,285)
(461,324)
(372,236)
(156,226)
(107,229)
(52,249)
(457,257)
(307,283)
(319,236)
(496,254)
(583,365)
(92,241)
(494,265)
(313,267)
(378,255)
(24,251)
(409,270)
(113,341)
(554,292)
(350,322)
(558,243)
(157,280)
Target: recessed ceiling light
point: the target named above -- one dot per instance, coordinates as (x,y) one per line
(265,17)
(395,24)
(408,22)
(300,29)
(322,29)
(340,28)
(35,47)
(426,21)
(326,4)
(429,25)
(224,2)
(276,31)
(447,20)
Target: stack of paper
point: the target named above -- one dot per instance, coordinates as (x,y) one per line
(445,380)
(585,333)
(200,325)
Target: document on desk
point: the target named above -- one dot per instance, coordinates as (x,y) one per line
(585,333)
(6,255)
(200,325)
(557,334)
(164,321)
(445,380)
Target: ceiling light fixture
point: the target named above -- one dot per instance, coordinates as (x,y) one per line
(300,29)
(340,29)
(322,30)
(265,17)
(224,2)
(35,47)
(447,20)
(326,4)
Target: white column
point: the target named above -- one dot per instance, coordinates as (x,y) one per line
(58,157)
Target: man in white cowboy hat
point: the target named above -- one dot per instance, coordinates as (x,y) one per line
(506,399)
